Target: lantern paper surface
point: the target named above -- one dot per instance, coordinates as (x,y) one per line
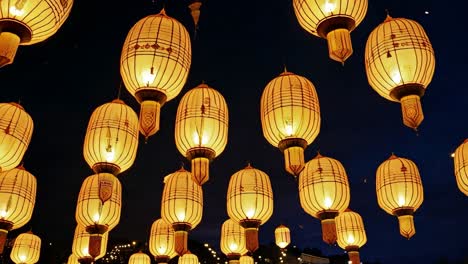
(290,116)
(188,259)
(99,201)
(111,139)
(26,249)
(72,259)
(16,128)
(282,236)
(246,260)
(400,62)
(232,238)
(80,246)
(161,241)
(201,128)
(351,234)
(26,22)
(461,167)
(400,191)
(332,20)
(139,258)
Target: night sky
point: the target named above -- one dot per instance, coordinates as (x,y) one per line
(238,49)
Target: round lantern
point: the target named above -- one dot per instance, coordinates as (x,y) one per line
(16,128)
(246,260)
(98,207)
(154,65)
(111,139)
(282,236)
(26,22)
(461,167)
(182,206)
(250,202)
(26,249)
(161,241)
(188,258)
(400,191)
(400,63)
(80,246)
(351,234)
(324,192)
(17,199)
(233,240)
(72,259)
(332,20)
(290,115)
(201,128)
(139,258)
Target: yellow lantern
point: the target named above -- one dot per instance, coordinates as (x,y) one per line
(400,63)
(72,259)
(246,260)
(282,236)
(195,12)
(154,65)
(182,206)
(400,191)
(111,139)
(332,20)
(461,166)
(201,128)
(250,202)
(232,240)
(290,115)
(26,22)
(161,241)
(324,192)
(351,234)
(139,258)
(98,207)
(26,249)
(80,246)
(17,199)
(188,258)
(16,128)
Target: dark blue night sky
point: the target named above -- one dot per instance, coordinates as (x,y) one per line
(240,46)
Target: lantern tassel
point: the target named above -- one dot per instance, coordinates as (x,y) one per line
(354,257)
(329,231)
(340,47)
(9,43)
(94,248)
(200,170)
(406,223)
(294,160)
(251,238)
(149,118)
(411,109)
(181,240)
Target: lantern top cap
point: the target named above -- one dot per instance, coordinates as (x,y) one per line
(163,12)
(466,141)
(393,156)
(388,18)
(20,167)
(118,101)
(281,225)
(318,156)
(203,85)
(248,166)
(348,210)
(17,105)
(182,169)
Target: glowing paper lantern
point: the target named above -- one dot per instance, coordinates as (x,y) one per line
(332,20)
(80,246)
(461,166)
(250,202)
(201,128)
(26,249)
(246,260)
(139,258)
(16,128)
(290,115)
(111,139)
(98,207)
(324,192)
(161,241)
(26,22)
(400,191)
(232,240)
(188,258)
(72,259)
(282,236)
(17,199)
(351,234)
(182,206)
(400,63)
(154,65)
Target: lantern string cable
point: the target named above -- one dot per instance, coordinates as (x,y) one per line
(119,92)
